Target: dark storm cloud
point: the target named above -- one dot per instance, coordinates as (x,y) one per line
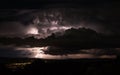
(15,29)
(60,51)
(95,51)
(103,17)
(22,15)
(11,28)
(14,52)
(103,51)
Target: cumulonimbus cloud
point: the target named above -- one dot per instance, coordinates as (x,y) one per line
(53,20)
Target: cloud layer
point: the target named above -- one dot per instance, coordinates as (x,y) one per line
(46,21)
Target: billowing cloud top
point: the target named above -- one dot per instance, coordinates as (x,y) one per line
(44,22)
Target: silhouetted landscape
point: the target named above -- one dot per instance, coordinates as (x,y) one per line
(69,66)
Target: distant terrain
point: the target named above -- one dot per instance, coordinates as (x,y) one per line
(59,67)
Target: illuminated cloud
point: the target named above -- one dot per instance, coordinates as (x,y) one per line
(45,22)
(32,30)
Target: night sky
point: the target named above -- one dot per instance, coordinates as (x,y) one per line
(42,18)
(66,37)
(63,27)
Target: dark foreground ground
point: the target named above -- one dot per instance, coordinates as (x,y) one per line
(59,67)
